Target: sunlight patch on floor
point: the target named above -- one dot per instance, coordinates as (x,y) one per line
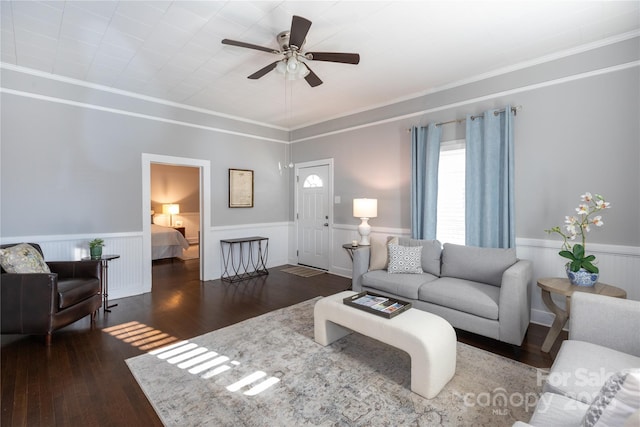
(195,359)
(140,335)
(208,364)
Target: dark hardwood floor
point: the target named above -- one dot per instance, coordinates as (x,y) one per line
(82,379)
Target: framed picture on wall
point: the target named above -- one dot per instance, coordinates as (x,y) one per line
(240,188)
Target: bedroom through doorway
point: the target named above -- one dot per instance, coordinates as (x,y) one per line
(175,214)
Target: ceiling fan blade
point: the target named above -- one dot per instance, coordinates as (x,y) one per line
(299,29)
(249,46)
(261,72)
(345,58)
(312,78)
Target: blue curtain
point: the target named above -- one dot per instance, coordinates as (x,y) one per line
(489,215)
(425,154)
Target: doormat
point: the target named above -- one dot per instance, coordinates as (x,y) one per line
(303,271)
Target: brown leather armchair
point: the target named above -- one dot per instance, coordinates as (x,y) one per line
(40,303)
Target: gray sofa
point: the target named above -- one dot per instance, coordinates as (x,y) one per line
(603,346)
(480,290)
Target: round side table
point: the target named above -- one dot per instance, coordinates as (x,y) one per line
(560,286)
(104,279)
(350,248)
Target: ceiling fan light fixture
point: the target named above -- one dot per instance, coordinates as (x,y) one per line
(281,67)
(292,65)
(304,70)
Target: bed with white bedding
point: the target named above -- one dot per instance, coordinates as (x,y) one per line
(166,242)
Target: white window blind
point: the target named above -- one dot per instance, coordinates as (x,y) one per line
(451,191)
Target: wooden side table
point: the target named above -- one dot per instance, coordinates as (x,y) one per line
(560,286)
(181,230)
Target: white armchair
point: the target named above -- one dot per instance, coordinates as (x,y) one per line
(604,340)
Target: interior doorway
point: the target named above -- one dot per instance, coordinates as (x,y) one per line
(175,233)
(204,209)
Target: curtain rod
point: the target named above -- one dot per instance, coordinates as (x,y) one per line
(514,110)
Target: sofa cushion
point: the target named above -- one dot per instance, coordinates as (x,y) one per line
(581,368)
(431,252)
(379,255)
(484,265)
(21,259)
(402,285)
(405,259)
(619,399)
(73,291)
(462,295)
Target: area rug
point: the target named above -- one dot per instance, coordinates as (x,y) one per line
(268,371)
(303,271)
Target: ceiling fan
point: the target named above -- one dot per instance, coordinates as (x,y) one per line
(293,63)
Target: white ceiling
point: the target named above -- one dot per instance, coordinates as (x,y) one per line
(172,49)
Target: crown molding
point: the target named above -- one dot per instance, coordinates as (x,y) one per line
(96,86)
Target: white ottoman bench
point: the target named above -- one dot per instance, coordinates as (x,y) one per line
(429,339)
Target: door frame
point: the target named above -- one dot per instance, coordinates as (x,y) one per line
(298,166)
(205,210)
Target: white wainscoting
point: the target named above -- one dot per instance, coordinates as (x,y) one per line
(125,273)
(341,262)
(276,232)
(619,265)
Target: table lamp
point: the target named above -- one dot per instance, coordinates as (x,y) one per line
(365,209)
(171,209)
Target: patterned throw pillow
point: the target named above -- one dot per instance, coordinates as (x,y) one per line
(405,259)
(619,399)
(22,258)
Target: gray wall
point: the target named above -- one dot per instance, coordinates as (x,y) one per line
(70,169)
(175,184)
(576,132)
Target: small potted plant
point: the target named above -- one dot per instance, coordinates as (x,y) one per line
(581,268)
(95,248)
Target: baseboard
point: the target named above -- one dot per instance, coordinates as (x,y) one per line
(541,317)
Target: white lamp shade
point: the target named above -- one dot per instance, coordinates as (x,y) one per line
(171,208)
(365,208)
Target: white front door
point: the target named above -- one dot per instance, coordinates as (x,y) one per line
(313,216)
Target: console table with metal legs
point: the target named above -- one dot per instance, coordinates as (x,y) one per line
(244,258)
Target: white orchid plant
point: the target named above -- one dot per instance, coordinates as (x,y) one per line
(580,225)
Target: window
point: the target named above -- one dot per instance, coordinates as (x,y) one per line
(312,181)
(451,191)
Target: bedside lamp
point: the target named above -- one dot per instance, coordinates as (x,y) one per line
(171,209)
(365,209)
